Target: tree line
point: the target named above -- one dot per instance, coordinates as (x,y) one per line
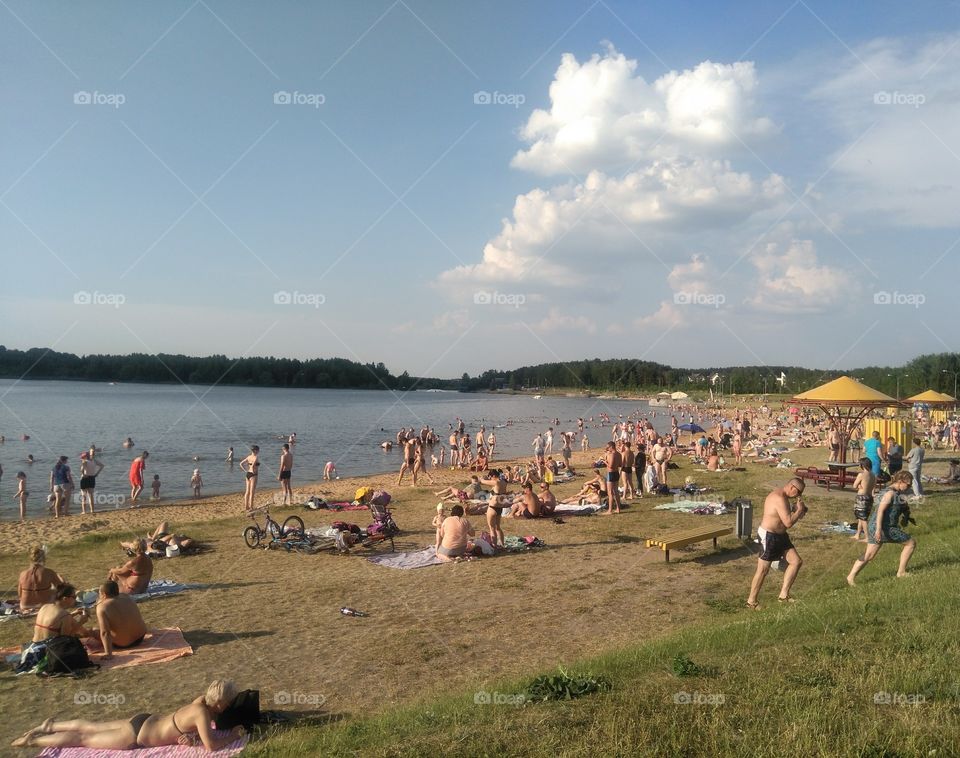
(936,371)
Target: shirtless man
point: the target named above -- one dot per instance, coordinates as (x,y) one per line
(420,463)
(453,535)
(121,625)
(865,483)
(529,504)
(833,440)
(286,470)
(134,576)
(778,516)
(661,457)
(614,462)
(409,461)
(548,501)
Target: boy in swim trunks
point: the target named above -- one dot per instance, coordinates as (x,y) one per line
(778,516)
(865,482)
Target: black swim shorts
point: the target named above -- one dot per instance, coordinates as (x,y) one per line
(775,546)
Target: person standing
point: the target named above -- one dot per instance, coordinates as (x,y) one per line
(22,494)
(60,486)
(894,456)
(626,473)
(873,449)
(778,516)
(409,461)
(286,471)
(884,526)
(250,466)
(833,439)
(613,461)
(136,477)
(89,468)
(566,450)
(864,484)
(915,464)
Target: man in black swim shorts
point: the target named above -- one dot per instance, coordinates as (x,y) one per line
(778,516)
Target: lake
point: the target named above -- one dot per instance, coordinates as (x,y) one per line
(177,422)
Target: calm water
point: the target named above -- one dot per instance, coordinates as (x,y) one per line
(176,423)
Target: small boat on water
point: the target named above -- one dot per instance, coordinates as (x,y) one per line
(538,397)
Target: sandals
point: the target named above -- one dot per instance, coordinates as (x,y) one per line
(786,600)
(753,606)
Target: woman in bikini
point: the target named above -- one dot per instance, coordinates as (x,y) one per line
(251,469)
(495,506)
(61,618)
(188,725)
(38,584)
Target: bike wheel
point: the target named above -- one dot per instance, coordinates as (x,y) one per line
(293,527)
(251,535)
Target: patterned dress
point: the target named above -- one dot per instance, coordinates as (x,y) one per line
(891,531)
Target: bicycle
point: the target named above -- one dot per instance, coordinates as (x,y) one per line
(293,527)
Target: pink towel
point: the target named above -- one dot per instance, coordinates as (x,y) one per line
(167,751)
(158,646)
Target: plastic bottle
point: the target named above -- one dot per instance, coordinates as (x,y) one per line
(351,612)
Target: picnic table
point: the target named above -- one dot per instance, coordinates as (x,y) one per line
(841,469)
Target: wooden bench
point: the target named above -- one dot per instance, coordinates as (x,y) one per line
(677,539)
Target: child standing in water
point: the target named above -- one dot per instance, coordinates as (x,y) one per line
(196,481)
(22,494)
(156,487)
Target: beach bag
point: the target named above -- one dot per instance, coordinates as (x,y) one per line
(66,655)
(381,497)
(243,711)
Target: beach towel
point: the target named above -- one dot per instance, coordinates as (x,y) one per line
(410,560)
(575,510)
(839,528)
(168,751)
(159,646)
(694,506)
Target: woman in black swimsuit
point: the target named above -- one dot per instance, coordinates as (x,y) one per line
(188,725)
(251,467)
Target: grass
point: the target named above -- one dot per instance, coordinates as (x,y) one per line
(596,602)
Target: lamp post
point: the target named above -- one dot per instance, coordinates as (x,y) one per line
(955,375)
(898,384)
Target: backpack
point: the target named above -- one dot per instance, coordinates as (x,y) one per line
(244,710)
(66,655)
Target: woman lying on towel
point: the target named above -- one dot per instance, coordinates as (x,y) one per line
(159,541)
(188,725)
(589,493)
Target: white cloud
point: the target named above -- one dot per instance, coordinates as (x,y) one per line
(614,221)
(897,107)
(795,282)
(603,115)
(452,322)
(558,321)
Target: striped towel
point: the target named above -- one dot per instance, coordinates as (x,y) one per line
(167,751)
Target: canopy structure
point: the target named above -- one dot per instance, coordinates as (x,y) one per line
(845,401)
(932,398)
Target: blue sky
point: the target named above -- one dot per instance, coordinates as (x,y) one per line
(684,182)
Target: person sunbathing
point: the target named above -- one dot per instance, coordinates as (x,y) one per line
(529,504)
(133,577)
(121,625)
(188,725)
(548,501)
(453,535)
(589,493)
(38,584)
(160,540)
(454,495)
(61,617)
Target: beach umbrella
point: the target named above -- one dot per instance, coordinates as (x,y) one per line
(691,428)
(845,401)
(727,425)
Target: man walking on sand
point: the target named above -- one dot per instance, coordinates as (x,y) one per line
(409,461)
(613,461)
(778,516)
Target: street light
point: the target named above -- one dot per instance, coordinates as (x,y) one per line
(898,384)
(955,375)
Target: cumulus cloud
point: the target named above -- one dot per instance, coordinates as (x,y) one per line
(795,282)
(557,320)
(615,220)
(603,115)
